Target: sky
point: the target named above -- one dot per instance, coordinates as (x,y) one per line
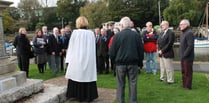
(50,2)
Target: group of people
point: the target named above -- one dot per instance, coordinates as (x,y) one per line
(88,52)
(162,45)
(47,47)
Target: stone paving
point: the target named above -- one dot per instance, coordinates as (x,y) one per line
(105,95)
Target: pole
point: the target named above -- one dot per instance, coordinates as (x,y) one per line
(206,26)
(159,12)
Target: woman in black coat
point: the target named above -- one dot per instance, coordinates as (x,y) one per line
(23,49)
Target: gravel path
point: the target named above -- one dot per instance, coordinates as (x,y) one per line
(105,95)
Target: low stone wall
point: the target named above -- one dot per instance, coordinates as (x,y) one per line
(30,87)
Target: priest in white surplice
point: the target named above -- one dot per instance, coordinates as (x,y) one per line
(81,58)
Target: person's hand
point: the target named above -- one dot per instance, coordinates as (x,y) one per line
(160,52)
(53,53)
(43,43)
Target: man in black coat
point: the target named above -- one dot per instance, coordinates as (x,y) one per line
(102,52)
(127,52)
(166,53)
(186,53)
(55,47)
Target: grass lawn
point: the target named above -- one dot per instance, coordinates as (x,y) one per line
(150,89)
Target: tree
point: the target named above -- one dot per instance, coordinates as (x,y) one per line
(28,8)
(14,12)
(50,18)
(96,13)
(140,11)
(69,9)
(184,9)
(8,22)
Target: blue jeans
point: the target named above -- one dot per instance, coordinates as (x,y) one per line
(132,72)
(151,65)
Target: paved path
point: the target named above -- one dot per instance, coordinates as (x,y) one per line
(105,95)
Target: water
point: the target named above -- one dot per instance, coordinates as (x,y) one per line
(201,54)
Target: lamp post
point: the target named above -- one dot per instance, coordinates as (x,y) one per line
(159,12)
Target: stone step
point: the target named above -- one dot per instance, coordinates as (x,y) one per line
(28,88)
(19,75)
(50,94)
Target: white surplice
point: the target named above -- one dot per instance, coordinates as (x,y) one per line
(81,56)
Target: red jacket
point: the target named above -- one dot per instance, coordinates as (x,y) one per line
(150,41)
(150,46)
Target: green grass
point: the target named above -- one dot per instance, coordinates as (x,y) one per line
(48,74)
(150,89)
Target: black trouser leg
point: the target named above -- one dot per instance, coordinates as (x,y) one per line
(107,64)
(39,68)
(62,63)
(25,64)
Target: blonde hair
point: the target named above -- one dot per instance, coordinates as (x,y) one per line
(82,22)
(21,30)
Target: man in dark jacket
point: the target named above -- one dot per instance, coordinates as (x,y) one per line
(127,52)
(186,53)
(166,53)
(55,47)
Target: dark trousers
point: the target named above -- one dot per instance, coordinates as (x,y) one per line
(23,63)
(62,62)
(187,71)
(41,68)
(103,64)
(106,64)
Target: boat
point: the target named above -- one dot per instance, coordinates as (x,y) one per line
(203,43)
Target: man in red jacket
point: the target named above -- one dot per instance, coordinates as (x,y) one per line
(150,48)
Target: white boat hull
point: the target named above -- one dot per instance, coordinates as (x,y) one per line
(201,43)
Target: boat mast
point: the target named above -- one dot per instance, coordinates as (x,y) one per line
(206,12)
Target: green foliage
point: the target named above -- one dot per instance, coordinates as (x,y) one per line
(184,9)
(96,13)
(140,11)
(50,18)
(69,9)
(14,12)
(28,8)
(8,22)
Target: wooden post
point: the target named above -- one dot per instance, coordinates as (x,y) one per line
(206,13)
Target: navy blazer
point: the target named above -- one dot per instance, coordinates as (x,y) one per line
(54,45)
(165,44)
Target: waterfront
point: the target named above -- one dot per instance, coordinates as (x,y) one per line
(201,54)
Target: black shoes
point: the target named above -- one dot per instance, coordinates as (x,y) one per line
(169,83)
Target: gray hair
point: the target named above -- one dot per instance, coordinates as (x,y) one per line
(185,21)
(125,21)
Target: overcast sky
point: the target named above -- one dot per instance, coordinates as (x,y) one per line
(50,2)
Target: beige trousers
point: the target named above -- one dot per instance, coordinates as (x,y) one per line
(166,68)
